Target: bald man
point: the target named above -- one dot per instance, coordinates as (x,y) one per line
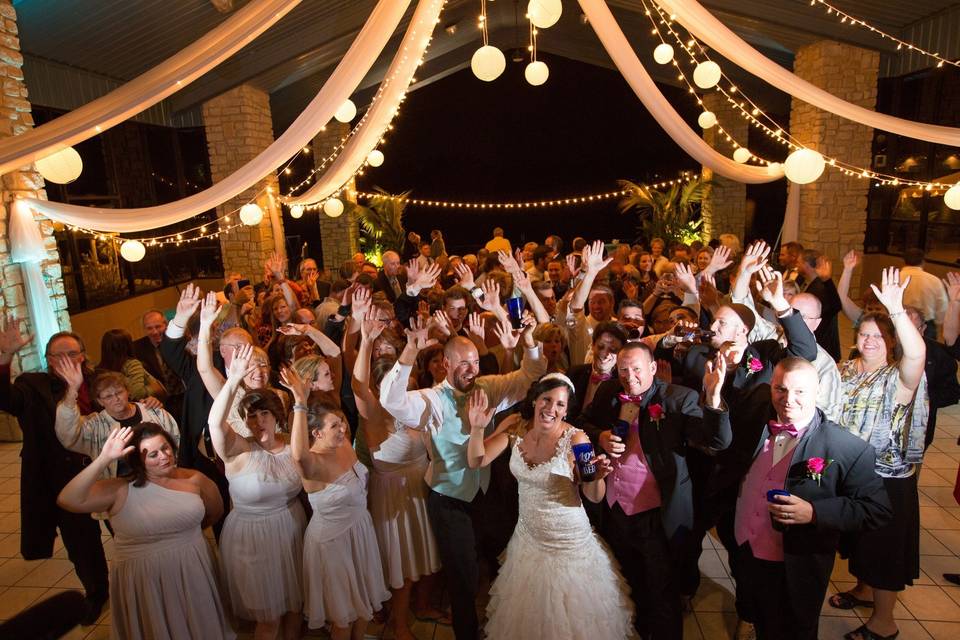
(455,487)
(782,573)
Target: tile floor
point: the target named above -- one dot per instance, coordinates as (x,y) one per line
(928,610)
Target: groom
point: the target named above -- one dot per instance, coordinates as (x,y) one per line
(454,486)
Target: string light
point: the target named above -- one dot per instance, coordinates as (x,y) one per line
(166,181)
(847,19)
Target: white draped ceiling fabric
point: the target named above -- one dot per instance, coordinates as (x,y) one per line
(147,89)
(701,23)
(369,132)
(623,55)
(345,78)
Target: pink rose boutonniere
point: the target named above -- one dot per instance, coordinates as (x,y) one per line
(656,413)
(816,467)
(753,365)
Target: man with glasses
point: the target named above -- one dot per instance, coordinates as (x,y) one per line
(47,467)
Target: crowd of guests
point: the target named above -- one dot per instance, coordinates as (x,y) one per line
(342,434)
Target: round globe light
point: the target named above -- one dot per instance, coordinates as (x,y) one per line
(346,112)
(803,166)
(488,63)
(251,214)
(296,211)
(774,169)
(952,197)
(544,13)
(706,74)
(536,73)
(133,251)
(333,207)
(707,119)
(663,54)
(742,154)
(61,167)
(375,158)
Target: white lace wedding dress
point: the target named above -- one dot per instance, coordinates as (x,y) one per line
(558,580)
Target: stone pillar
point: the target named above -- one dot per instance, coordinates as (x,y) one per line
(15,119)
(833,210)
(339,237)
(725,209)
(238,126)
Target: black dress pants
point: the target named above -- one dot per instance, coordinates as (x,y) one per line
(81,539)
(452,523)
(763,585)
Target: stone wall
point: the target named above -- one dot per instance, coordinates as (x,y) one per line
(833,210)
(238,127)
(725,210)
(339,237)
(16,118)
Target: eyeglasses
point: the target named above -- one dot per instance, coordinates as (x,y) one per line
(111,396)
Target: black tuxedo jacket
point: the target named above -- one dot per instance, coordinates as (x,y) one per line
(145,353)
(828,333)
(382,283)
(665,446)
(849,497)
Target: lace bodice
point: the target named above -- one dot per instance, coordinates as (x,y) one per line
(550,509)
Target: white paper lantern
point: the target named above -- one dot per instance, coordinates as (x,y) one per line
(296,211)
(488,63)
(375,158)
(346,112)
(536,73)
(61,167)
(544,13)
(333,207)
(251,214)
(133,251)
(707,119)
(663,54)
(803,166)
(774,169)
(706,74)
(742,154)
(952,197)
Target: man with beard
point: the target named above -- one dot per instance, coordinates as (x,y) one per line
(455,488)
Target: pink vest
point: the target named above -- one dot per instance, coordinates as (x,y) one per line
(753,519)
(632,484)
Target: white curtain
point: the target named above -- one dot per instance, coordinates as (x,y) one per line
(344,80)
(623,55)
(28,250)
(711,31)
(368,133)
(147,89)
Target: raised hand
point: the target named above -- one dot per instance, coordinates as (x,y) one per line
(528,324)
(851,260)
(294,329)
(442,322)
(479,411)
(510,264)
(507,336)
(209,310)
(371,328)
(241,363)
(360,304)
(70,371)
(522,280)
(890,293)
(572,267)
(491,296)
(187,305)
(413,271)
(713,377)
(417,335)
(824,268)
(10,339)
(719,261)
(465,276)
(299,388)
(274,264)
(685,278)
(770,287)
(592,257)
(427,278)
(117,444)
(952,283)
(754,258)
(475,326)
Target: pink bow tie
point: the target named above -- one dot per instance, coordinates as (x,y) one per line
(776,429)
(628,399)
(599,377)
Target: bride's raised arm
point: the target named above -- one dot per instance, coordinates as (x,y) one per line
(480,451)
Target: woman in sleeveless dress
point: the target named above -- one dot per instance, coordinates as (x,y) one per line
(558,580)
(261,546)
(342,574)
(398,492)
(163,583)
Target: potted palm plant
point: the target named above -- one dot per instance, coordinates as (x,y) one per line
(673,214)
(381,223)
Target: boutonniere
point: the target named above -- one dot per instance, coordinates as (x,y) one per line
(656,413)
(816,467)
(753,365)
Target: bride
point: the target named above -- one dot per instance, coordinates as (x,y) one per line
(557,580)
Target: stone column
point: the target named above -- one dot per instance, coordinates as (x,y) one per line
(15,119)
(339,237)
(833,210)
(725,209)
(238,126)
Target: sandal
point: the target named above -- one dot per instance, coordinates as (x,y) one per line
(864,633)
(846,600)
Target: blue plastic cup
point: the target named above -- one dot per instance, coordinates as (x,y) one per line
(583,454)
(772,497)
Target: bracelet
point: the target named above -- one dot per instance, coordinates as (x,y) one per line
(300,407)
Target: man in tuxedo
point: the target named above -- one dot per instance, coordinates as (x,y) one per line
(816,280)
(147,351)
(786,547)
(391,280)
(649,516)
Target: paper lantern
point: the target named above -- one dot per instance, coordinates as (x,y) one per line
(544,13)
(61,167)
(803,166)
(488,63)
(774,169)
(133,251)
(251,214)
(296,211)
(346,112)
(706,74)
(952,197)
(663,54)
(742,154)
(333,207)
(707,119)
(375,158)
(536,73)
